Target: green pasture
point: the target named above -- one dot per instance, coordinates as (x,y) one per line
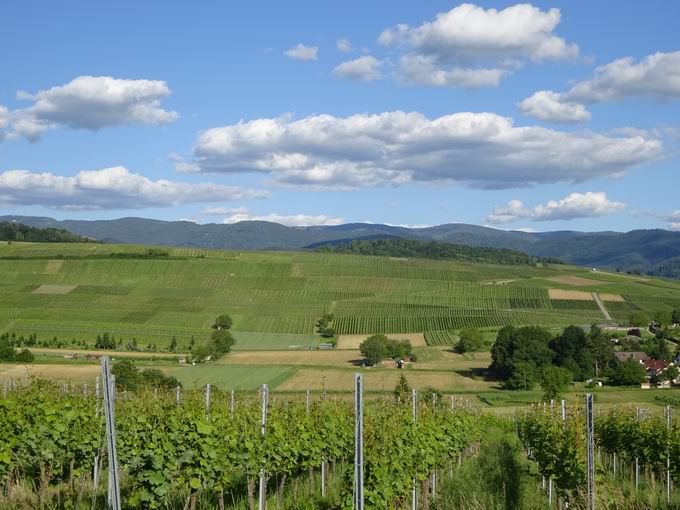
(232,377)
(76,291)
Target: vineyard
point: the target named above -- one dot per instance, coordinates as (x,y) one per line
(176,449)
(74,291)
(631,448)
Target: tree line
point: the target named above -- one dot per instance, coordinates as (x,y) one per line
(524,356)
(10,231)
(409,248)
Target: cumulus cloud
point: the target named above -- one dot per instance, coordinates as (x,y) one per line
(469,36)
(290,220)
(549,106)
(365,68)
(480,149)
(576,205)
(424,70)
(4,119)
(343,45)
(302,52)
(654,77)
(109,188)
(91,102)
(675,227)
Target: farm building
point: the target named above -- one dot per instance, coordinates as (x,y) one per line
(634,355)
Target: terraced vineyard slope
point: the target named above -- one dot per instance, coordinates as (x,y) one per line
(76,291)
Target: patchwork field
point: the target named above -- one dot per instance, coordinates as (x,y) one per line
(75,292)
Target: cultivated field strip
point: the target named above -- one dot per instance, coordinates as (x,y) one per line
(272,293)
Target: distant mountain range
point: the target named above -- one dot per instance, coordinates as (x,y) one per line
(655,252)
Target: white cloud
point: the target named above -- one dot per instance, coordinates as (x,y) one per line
(302,52)
(290,220)
(654,77)
(91,102)
(109,188)
(343,45)
(4,120)
(576,205)
(469,37)
(549,106)
(480,149)
(675,227)
(424,70)
(365,68)
(221,211)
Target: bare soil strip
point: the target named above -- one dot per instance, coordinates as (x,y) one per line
(576,281)
(573,295)
(54,289)
(53,266)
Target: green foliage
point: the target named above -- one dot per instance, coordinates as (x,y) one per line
(10,231)
(25,356)
(9,354)
(408,248)
(167,451)
(554,381)
(105,341)
(498,478)
(223,321)
(513,345)
(402,391)
(675,317)
(639,319)
(628,373)
(523,377)
(129,377)
(378,347)
(470,341)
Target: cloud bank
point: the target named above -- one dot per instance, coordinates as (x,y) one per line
(470,46)
(290,220)
(364,68)
(576,205)
(482,150)
(90,102)
(655,77)
(109,188)
(302,52)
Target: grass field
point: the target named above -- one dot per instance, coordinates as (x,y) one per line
(75,292)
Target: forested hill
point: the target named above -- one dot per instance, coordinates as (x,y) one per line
(408,248)
(655,252)
(11,231)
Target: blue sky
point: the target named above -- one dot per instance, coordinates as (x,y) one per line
(222,111)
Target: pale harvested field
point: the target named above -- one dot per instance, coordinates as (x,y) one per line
(579,295)
(576,281)
(112,354)
(353,341)
(575,295)
(310,357)
(611,297)
(380,380)
(53,266)
(452,361)
(72,373)
(54,289)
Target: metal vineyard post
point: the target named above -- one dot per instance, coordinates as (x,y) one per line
(109,409)
(358,444)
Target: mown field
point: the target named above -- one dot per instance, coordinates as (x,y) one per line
(75,291)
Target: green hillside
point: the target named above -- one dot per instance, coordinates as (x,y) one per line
(76,291)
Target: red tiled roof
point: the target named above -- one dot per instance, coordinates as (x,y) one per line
(656,364)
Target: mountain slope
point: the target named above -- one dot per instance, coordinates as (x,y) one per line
(637,250)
